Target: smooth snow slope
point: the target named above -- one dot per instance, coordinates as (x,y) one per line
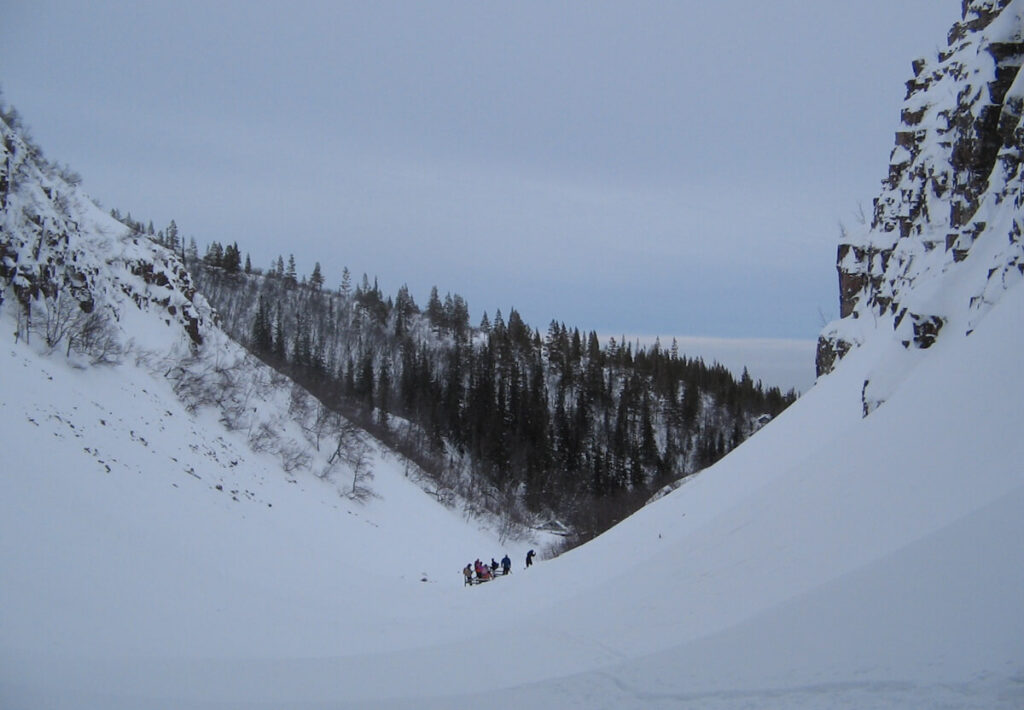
(131,529)
(831,561)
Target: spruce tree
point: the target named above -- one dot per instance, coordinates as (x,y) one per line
(435,311)
(290,276)
(171,238)
(384,391)
(231,260)
(262,333)
(280,344)
(346,283)
(316,280)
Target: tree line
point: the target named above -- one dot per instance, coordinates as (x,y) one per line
(558,427)
(552,427)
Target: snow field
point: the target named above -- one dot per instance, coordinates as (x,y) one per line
(832,560)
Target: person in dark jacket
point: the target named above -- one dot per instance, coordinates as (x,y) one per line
(506,564)
(529,557)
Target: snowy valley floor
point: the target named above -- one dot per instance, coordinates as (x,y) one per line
(149,560)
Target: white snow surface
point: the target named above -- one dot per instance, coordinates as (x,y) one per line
(150,558)
(833,560)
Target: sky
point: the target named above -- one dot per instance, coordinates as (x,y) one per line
(670,169)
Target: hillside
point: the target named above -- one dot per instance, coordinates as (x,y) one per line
(861,550)
(558,430)
(162,487)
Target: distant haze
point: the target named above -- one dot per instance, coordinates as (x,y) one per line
(776,362)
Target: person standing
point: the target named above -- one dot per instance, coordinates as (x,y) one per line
(529,557)
(506,564)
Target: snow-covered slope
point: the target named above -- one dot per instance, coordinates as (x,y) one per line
(834,561)
(847,555)
(163,494)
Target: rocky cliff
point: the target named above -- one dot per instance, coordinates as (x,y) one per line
(944,240)
(77,274)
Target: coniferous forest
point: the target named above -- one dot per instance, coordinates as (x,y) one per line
(544,429)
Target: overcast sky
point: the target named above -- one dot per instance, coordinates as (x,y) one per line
(630,167)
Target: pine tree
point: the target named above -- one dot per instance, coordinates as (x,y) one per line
(171,239)
(404,309)
(384,391)
(262,333)
(290,276)
(316,280)
(435,311)
(280,344)
(460,317)
(346,282)
(364,380)
(231,261)
(214,256)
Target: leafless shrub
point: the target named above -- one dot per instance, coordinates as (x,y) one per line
(299,404)
(263,438)
(193,389)
(514,518)
(64,324)
(57,315)
(71,177)
(233,415)
(353,451)
(293,456)
(97,339)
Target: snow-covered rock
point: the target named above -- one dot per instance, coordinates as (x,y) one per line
(65,260)
(945,241)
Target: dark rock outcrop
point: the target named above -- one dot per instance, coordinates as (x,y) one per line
(954,168)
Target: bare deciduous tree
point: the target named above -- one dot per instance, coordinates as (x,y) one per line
(322,420)
(96,338)
(354,452)
(293,456)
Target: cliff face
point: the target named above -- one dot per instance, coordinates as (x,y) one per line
(945,236)
(76,274)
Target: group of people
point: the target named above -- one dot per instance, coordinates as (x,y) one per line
(480,571)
